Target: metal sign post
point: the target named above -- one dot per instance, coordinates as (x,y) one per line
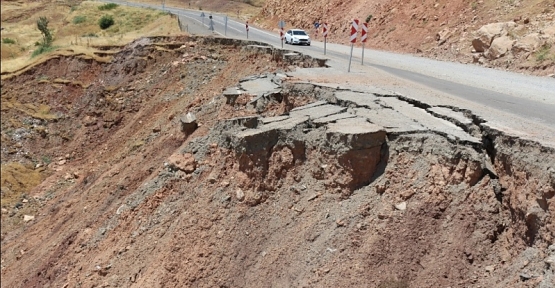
(325,34)
(225,21)
(202,16)
(247,26)
(353,39)
(281,24)
(363,38)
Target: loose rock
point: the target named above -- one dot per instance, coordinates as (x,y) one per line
(27,218)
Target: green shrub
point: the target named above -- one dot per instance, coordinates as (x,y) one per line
(108,6)
(368,18)
(543,53)
(8,41)
(42,49)
(42,25)
(79,19)
(105,22)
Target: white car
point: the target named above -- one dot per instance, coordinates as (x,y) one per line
(297,36)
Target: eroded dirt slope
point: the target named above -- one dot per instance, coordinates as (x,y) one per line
(261,190)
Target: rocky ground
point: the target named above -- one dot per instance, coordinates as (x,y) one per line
(208,162)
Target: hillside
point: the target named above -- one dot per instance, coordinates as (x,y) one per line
(437,29)
(172,160)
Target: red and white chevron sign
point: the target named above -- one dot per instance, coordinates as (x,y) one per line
(354,31)
(325,30)
(247,26)
(281,34)
(364,32)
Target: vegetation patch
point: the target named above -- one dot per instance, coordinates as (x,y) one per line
(105,22)
(8,41)
(108,6)
(79,19)
(42,50)
(543,53)
(17,179)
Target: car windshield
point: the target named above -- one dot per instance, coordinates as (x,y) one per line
(299,33)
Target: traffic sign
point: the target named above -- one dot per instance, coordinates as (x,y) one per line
(364,32)
(325,33)
(354,31)
(281,24)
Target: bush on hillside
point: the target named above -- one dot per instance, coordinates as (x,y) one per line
(8,41)
(105,22)
(79,19)
(108,6)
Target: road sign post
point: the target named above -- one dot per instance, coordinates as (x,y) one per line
(363,38)
(202,16)
(325,34)
(211,26)
(353,39)
(281,24)
(247,27)
(225,21)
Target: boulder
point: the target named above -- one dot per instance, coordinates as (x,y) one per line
(487,33)
(184,162)
(443,35)
(500,46)
(479,46)
(528,43)
(549,32)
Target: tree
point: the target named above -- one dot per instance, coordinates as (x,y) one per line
(42,25)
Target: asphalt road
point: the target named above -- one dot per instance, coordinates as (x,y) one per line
(525,96)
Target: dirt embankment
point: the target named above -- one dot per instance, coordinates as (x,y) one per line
(137,195)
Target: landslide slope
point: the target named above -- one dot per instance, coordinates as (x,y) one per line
(260,190)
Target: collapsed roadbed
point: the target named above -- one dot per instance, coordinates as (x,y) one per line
(204,162)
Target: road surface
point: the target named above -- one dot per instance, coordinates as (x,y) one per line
(490,93)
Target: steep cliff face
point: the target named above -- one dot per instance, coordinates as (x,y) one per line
(438,29)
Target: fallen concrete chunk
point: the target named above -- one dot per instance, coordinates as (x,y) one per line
(247,121)
(314,104)
(427,120)
(231,94)
(358,99)
(333,118)
(448,113)
(259,86)
(188,123)
(391,120)
(268,120)
(355,133)
(319,111)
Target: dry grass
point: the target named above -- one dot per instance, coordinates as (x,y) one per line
(247,8)
(16,179)
(70,36)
